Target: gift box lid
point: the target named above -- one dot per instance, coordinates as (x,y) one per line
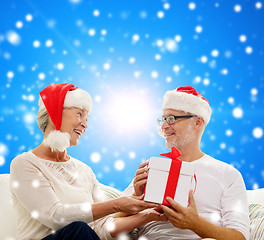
(163,164)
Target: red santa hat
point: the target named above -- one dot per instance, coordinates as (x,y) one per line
(187,99)
(54,98)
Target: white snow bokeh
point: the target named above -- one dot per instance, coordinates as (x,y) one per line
(257,132)
(36,44)
(119,165)
(237,112)
(95,157)
(13,38)
(192,5)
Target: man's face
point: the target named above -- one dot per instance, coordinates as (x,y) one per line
(179,134)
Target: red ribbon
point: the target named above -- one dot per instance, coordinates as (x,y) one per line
(174,174)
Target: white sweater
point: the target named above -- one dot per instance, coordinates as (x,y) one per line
(220,198)
(49,195)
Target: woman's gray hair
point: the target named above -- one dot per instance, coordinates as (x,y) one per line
(42,119)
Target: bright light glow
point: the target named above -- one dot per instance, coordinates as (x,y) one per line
(130,112)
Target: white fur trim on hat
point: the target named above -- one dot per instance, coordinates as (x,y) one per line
(186,102)
(76,98)
(58,141)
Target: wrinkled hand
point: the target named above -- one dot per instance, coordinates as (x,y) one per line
(181,217)
(155,214)
(140,179)
(132,205)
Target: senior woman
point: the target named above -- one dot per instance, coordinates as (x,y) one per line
(56,196)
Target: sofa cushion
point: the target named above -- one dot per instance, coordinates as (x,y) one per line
(256,196)
(7,213)
(256,215)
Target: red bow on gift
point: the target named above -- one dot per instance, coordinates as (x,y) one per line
(174,174)
(174,154)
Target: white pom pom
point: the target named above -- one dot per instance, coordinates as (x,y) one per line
(58,141)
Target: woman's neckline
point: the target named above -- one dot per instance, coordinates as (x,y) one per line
(47,160)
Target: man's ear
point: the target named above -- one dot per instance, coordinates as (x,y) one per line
(199,122)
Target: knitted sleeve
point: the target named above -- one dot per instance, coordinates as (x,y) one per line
(38,198)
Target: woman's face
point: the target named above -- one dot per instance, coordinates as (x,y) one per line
(74,122)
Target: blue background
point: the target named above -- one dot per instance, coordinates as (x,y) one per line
(127,54)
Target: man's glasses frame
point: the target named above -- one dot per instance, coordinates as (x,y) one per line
(172,119)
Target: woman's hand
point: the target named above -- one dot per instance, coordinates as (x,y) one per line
(132,205)
(140,179)
(155,214)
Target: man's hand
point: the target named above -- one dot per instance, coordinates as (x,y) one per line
(181,217)
(140,179)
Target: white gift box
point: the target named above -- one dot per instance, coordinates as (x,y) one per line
(159,170)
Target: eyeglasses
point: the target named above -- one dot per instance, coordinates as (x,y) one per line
(172,119)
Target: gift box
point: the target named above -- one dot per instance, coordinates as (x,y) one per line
(169,177)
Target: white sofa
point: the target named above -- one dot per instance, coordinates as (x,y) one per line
(8,219)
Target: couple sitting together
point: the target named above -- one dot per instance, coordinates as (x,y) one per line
(57,197)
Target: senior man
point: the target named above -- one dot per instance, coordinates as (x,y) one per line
(218,209)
